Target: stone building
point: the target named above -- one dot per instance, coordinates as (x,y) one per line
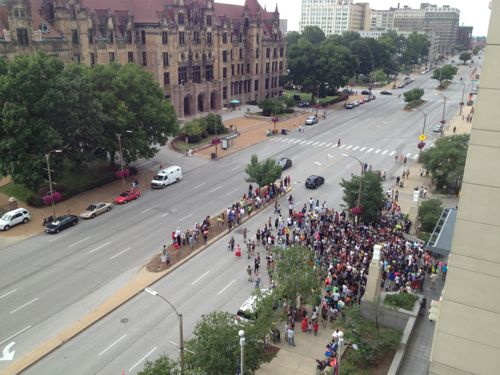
(204,54)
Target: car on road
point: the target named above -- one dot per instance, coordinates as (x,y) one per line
(127,196)
(96,209)
(285,163)
(355,103)
(385,92)
(314,181)
(365,92)
(438,128)
(311,120)
(166,177)
(61,223)
(349,106)
(14,217)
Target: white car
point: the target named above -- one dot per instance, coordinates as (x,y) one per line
(438,128)
(14,217)
(311,120)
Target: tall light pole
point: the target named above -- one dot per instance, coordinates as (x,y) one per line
(421,144)
(444,111)
(119,136)
(360,180)
(181,331)
(463,94)
(47,158)
(241,333)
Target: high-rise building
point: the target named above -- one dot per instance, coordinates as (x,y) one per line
(382,19)
(468,326)
(441,25)
(335,16)
(202,53)
(464,37)
(408,19)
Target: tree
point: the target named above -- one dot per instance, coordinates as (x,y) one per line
(313,34)
(476,50)
(416,49)
(295,275)
(214,347)
(262,173)
(446,160)
(292,38)
(372,194)
(413,95)
(378,76)
(429,213)
(161,366)
(446,72)
(465,56)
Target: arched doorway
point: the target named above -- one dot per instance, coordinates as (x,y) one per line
(187,105)
(201,103)
(213,100)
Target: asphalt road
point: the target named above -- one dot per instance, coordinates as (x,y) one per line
(47,282)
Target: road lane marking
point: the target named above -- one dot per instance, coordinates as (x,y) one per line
(392,153)
(363,149)
(26,304)
(8,293)
(342,146)
(355,148)
(199,278)
(142,359)
(297,204)
(227,286)
(14,335)
(99,247)
(370,150)
(199,186)
(291,140)
(328,144)
(58,237)
(385,152)
(378,150)
(408,154)
(297,141)
(215,189)
(165,214)
(232,191)
(146,210)
(235,168)
(334,146)
(186,217)
(315,143)
(303,142)
(349,147)
(113,344)
(77,242)
(120,253)
(321,144)
(308,143)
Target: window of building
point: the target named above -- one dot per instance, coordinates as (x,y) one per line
(257,37)
(224,92)
(196,37)
(130,56)
(164,37)
(232,70)
(143,36)
(267,84)
(248,68)
(209,38)
(181,37)
(224,72)
(241,53)
(111,56)
(144,59)
(238,68)
(22,37)
(209,72)
(111,38)
(267,67)
(224,38)
(129,37)
(209,20)
(92,59)
(90,34)
(275,53)
(281,51)
(240,38)
(281,66)
(257,53)
(256,85)
(232,55)
(165,58)
(224,56)
(268,53)
(256,68)
(182,75)
(166,78)
(180,18)
(74,36)
(196,74)
(72,12)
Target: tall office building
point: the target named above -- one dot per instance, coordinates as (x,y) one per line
(441,25)
(335,16)
(468,327)
(464,37)
(283,26)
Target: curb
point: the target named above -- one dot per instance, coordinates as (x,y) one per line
(142,280)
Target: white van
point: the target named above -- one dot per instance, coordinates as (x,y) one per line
(166,177)
(14,217)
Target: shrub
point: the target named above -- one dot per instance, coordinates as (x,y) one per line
(401,300)
(34,201)
(413,95)
(429,213)
(194,130)
(213,122)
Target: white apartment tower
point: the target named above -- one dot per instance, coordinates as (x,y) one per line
(335,16)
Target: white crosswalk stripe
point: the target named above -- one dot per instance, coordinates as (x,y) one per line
(334,146)
(297,141)
(355,148)
(385,152)
(308,143)
(348,147)
(301,143)
(392,153)
(328,144)
(378,150)
(408,155)
(321,144)
(283,140)
(315,143)
(363,149)
(370,150)
(342,146)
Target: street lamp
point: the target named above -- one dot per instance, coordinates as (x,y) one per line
(360,181)
(119,136)
(47,158)
(421,144)
(463,94)
(181,332)
(444,110)
(241,333)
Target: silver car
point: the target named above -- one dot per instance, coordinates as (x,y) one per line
(95,209)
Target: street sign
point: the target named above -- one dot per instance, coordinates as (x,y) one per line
(422,137)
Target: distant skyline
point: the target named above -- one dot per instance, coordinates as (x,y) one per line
(472,13)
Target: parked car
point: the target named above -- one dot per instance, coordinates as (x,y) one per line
(284,163)
(314,181)
(365,92)
(349,106)
(438,128)
(311,120)
(355,103)
(303,104)
(61,223)
(166,177)
(14,217)
(95,209)
(127,196)
(385,92)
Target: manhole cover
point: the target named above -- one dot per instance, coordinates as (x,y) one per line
(124,320)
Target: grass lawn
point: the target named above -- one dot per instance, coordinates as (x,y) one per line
(307,96)
(401,300)
(20,192)
(414,104)
(183,147)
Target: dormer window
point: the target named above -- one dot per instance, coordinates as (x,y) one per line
(19,13)
(180,18)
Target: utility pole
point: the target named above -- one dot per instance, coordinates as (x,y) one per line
(47,158)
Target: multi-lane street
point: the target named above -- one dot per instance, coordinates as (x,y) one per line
(48,282)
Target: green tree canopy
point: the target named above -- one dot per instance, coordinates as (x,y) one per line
(428,214)
(372,194)
(446,160)
(162,366)
(465,56)
(446,72)
(413,95)
(292,38)
(416,49)
(262,173)
(313,34)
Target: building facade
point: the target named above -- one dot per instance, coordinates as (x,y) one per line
(335,16)
(464,37)
(441,25)
(468,326)
(283,26)
(202,53)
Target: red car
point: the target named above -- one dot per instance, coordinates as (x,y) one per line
(127,196)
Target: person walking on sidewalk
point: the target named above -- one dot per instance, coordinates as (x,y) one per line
(257,280)
(291,336)
(231,244)
(249,272)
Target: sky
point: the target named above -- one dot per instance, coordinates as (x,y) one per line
(472,12)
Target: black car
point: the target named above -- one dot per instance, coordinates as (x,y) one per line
(313,181)
(284,163)
(61,223)
(385,93)
(365,92)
